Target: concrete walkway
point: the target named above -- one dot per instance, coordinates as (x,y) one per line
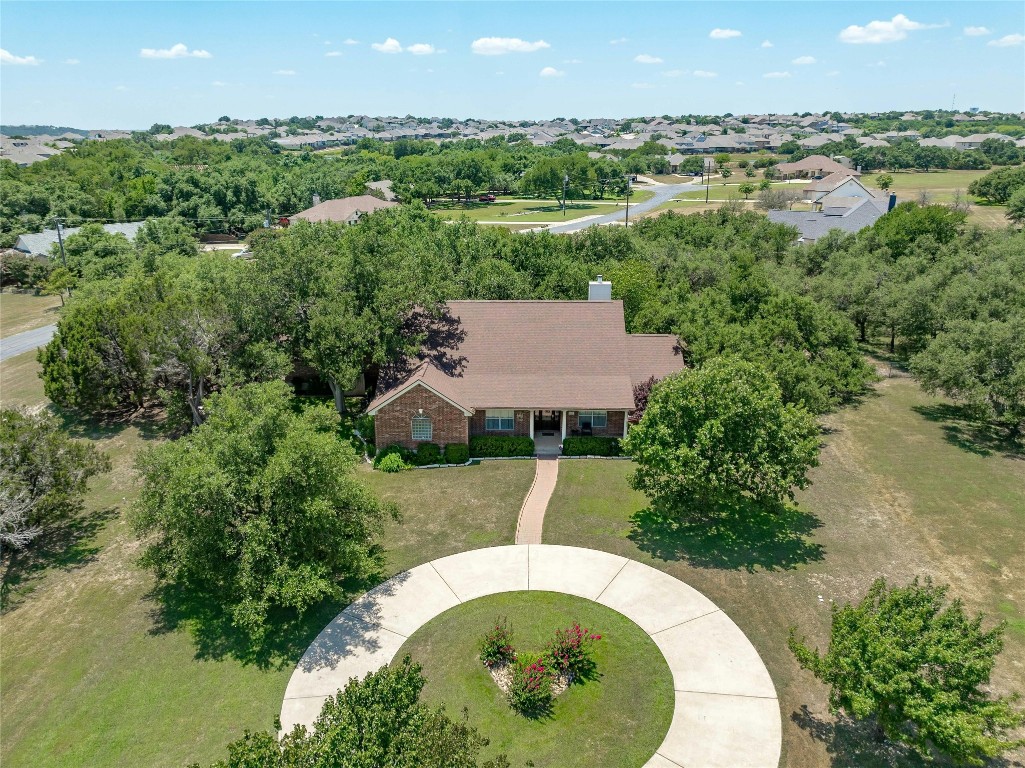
(532,513)
(726,713)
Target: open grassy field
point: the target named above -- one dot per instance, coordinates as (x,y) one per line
(102,669)
(24,311)
(524,211)
(717,190)
(904,489)
(618,717)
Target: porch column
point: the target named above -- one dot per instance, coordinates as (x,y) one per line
(531,412)
(626,418)
(563,424)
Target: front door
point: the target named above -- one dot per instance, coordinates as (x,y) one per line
(547,421)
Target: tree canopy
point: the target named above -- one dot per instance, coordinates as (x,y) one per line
(717,434)
(43,474)
(919,667)
(258,507)
(373,722)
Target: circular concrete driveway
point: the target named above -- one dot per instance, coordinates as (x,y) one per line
(726,713)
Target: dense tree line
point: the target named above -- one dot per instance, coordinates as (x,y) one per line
(351,300)
(909,155)
(219,186)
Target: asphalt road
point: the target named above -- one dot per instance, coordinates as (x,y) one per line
(26,341)
(663,193)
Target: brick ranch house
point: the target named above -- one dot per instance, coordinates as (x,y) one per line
(542,369)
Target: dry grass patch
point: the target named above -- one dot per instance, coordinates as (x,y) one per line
(20,311)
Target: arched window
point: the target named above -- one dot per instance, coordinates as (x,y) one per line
(422,429)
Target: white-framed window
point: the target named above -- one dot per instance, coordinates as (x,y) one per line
(422,429)
(593,419)
(500,419)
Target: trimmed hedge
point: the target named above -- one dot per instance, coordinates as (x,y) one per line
(592,446)
(457,453)
(427,453)
(492,446)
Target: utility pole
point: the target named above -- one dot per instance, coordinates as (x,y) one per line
(628,180)
(60,241)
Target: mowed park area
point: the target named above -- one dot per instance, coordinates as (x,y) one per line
(935,187)
(100,669)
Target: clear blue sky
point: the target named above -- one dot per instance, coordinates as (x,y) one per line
(131,64)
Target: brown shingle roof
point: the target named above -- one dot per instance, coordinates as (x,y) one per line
(343,208)
(815,163)
(544,354)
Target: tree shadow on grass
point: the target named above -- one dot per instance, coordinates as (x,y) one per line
(853,744)
(65,545)
(970,435)
(742,536)
(177,607)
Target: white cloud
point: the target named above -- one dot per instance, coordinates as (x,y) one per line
(766,44)
(9,58)
(803,60)
(500,73)
(72,62)
(572,61)
(674,73)
(422,49)
(977,31)
(496,46)
(120,87)
(551,72)
(642,86)
(350,41)
(618,41)
(176,51)
(891,31)
(833,73)
(878,64)
(285,72)
(724,34)
(705,73)
(644,58)
(391,45)
(332,54)
(739,82)
(219,84)
(776,75)
(1007,41)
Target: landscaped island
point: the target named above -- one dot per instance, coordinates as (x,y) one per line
(616,714)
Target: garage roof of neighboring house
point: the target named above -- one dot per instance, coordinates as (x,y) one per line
(343,208)
(538,354)
(41,243)
(814,225)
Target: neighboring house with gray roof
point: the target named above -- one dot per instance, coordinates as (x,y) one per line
(849,215)
(42,243)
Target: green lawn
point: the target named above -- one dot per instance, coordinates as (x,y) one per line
(904,489)
(97,671)
(618,718)
(25,311)
(524,211)
(451,510)
(719,191)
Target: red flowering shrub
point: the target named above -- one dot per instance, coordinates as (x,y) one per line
(531,690)
(570,652)
(496,645)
